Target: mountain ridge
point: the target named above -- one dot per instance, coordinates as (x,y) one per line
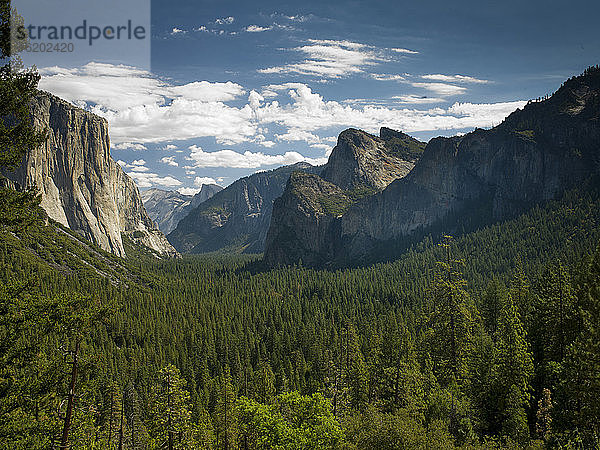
(167,208)
(533,156)
(306,218)
(237,218)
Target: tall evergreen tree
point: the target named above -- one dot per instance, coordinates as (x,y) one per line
(169,415)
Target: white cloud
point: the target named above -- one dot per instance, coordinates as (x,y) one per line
(145,180)
(386,77)
(225,20)
(142,108)
(246,160)
(199,181)
(169,160)
(454,78)
(417,100)
(142,176)
(404,51)
(207,92)
(256,29)
(188,191)
(330,59)
(441,88)
(296,134)
(176,30)
(308,111)
(129,146)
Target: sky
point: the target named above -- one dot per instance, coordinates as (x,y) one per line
(232,88)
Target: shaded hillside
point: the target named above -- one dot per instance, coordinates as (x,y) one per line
(167,208)
(237,218)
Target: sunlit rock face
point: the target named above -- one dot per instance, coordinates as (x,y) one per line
(81,186)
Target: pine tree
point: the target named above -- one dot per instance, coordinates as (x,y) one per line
(580,387)
(543,424)
(169,416)
(512,371)
(17,88)
(263,383)
(225,416)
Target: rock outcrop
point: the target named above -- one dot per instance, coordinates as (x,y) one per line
(361,159)
(306,220)
(81,186)
(535,155)
(237,218)
(167,208)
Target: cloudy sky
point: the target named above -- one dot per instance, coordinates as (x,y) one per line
(237,87)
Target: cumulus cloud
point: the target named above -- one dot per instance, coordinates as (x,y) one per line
(170,161)
(129,146)
(176,30)
(142,109)
(199,181)
(225,20)
(146,180)
(246,160)
(188,191)
(329,59)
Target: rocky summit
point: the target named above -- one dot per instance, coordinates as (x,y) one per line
(460,183)
(81,186)
(306,220)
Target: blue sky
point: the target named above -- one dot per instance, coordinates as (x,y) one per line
(236,87)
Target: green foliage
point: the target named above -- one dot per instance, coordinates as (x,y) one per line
(293,421)
(169,415)
(406,147)
(362,355)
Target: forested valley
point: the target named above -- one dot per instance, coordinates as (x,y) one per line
(487,340)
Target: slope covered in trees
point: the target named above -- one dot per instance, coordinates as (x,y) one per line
(491,339)
(487,340)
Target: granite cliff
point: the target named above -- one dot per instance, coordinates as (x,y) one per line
(306,220)
(167,208)
(237,218)
(485,176)
(81,186)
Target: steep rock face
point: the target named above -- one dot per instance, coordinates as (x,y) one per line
(81,186)
(485,176)
(206,192)
(237,218)
(533,156)
(361,159)
(306,221)
(167,208)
